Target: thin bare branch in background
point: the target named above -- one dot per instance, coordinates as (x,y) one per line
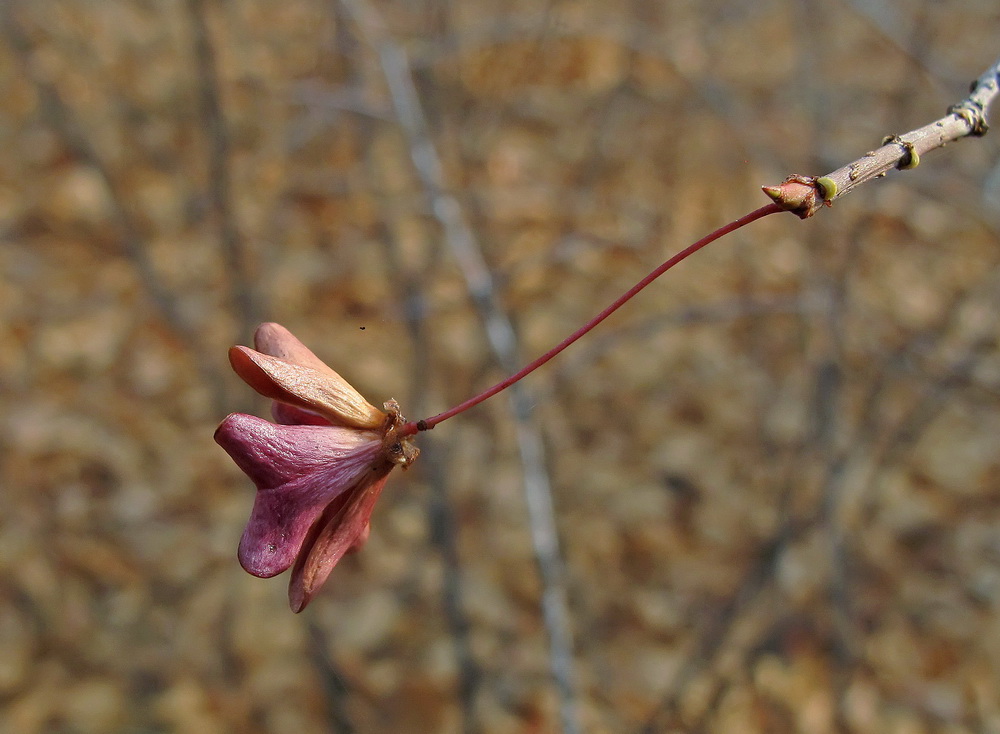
(441,517)
(717,631)
(826,353)
(443,530)
(63,122)
(931,401)
(443,534)
(501,337)
(928,403)
(219,177)
(433,459)
(334,687)
(56,115)
(885,18)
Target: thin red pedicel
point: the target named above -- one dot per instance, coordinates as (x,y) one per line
(428,423)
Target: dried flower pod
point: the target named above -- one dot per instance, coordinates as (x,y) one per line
(318,470)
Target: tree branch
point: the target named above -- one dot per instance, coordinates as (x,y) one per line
(219,175)
(806,195)
(500,334)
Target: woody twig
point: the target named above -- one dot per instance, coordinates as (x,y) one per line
(806,195)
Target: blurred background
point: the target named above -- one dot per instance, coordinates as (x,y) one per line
(773,477)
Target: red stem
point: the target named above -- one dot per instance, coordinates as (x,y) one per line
(428,423)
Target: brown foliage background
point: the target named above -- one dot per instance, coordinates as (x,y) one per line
(775,474)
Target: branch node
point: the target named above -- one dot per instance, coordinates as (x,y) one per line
(827,188)
(910,158)
(972,114)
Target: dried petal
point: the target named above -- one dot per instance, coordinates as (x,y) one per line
(277,341)
(360,541)
(326,393)
(343,527)
(299,471)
